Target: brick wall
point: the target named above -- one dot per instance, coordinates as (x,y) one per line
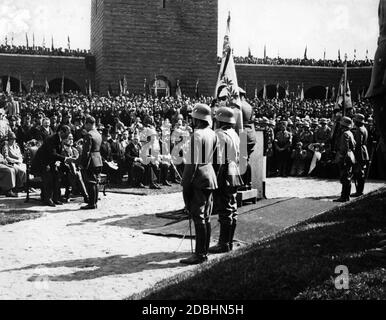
(39,68)
(141,39)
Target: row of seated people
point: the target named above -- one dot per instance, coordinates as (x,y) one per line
(144,163)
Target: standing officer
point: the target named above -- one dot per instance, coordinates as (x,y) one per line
(91,161)
(283,144)
(199,180)
(345,157)
(361,154)
(228,178)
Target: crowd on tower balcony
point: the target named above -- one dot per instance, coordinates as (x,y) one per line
(43,51)
(300,62)
(299,134)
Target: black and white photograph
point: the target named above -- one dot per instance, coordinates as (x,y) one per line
(190,156)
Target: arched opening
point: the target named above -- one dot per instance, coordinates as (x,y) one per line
(15,84)
(317,92)
(69,85)
(271,92)
(161,86)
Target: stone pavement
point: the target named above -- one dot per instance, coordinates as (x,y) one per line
(72,254)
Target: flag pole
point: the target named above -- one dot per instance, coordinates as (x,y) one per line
(345,85)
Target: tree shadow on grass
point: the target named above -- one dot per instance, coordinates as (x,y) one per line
(94,268)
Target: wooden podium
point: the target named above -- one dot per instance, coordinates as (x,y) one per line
(258,162)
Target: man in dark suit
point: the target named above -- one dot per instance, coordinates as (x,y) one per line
(91,162)
(46,163)
(135,163)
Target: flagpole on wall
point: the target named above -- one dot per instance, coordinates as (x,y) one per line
(345,85)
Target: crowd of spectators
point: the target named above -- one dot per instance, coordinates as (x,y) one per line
(301,62)
(125,118)
(43,51)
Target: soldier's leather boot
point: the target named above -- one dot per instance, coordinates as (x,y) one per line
(200,254)
(360,187)
(232,234)
(208,236)
(223,243)
(343,196)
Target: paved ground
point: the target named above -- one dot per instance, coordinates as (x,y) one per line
(71,254)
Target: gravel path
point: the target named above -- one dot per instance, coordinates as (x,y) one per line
(72,254)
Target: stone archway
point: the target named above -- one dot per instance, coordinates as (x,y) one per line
(316,92)
(271,92)
(15,84)
(162,86)
(69,85)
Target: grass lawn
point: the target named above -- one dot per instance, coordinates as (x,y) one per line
(297,264)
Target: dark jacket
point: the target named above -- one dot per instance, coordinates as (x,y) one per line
(91,156)
(361,136)
(47,154)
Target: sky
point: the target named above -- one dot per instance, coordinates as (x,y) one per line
(286,27)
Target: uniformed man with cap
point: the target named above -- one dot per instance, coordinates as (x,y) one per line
(323,133)
(91,161)
(283,142)
(361,153)
(228,178)
(199,180)
(345,157)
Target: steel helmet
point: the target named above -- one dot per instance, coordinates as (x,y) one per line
(225,114)
(202,112)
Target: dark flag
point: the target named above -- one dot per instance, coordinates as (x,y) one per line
(62,85)
(339,55)
(52,43)
(305,54)
(265,52)
(197,91)
(178,90)
(26,40)
(68,43)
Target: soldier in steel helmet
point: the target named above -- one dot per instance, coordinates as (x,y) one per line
(199,180)
(345,157)
(228,178)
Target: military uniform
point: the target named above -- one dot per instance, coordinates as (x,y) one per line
(199,181)
(283,143)
(345,158)
(228,179)
(361,154)
(92,164)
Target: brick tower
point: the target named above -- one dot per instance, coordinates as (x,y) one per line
(167,40)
